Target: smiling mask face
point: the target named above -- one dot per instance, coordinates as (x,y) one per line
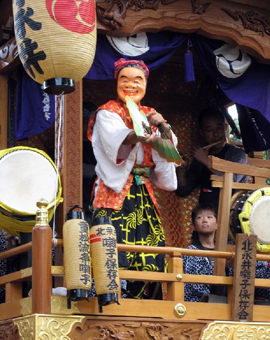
(131,82)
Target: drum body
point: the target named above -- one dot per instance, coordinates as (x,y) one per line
(255,217)
(237,202)
(26,176)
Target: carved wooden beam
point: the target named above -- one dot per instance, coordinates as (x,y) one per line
(245,25)
(9,56)
(251,21)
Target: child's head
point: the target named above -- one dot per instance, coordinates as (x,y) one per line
(200,207)
(204,219)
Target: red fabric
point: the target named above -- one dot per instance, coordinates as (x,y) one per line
(120,63)
(106,197)
(117,107)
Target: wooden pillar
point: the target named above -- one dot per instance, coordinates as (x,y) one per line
(175,290)
(68,150)
(41,263)
(3,111)
(223,221)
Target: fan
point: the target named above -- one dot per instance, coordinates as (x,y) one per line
(163,146)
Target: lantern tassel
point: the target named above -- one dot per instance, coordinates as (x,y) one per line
(189,67)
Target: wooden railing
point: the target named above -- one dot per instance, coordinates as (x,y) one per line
(173,307)
(258,170)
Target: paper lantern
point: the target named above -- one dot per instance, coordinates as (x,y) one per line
(56,41)
(76,256)
(105,261)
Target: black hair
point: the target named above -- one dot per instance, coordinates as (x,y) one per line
(200,207)
(210,112)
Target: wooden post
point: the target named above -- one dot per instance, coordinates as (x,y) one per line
(223,221)
(244,278)
(175,290)
(68,149)
(13,291)
(41,262)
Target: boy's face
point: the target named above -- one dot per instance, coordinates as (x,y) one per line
(205,222)
(131,82)
(213,130)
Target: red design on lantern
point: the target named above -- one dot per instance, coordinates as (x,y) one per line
(74,15)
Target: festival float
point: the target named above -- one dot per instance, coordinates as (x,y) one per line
(58,45)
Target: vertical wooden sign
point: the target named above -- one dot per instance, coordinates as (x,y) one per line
(244,278)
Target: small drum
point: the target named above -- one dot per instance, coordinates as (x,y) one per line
(255,217)
(26,176)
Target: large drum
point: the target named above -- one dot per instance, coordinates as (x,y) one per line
(26,176)
(255,217)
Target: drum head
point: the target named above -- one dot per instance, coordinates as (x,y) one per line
(26,176)
(255,217)
(259,221)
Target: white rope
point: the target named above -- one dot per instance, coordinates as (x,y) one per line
(54,242)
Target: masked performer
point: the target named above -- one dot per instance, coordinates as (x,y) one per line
(126,166)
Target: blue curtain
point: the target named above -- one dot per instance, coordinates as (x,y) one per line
(35,110)
(245,81)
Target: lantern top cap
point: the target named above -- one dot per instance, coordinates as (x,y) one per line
(122,63)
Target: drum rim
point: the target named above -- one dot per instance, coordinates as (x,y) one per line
(244,216)
(234,199)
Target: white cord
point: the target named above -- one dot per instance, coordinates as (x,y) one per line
(54,242)
(57,161)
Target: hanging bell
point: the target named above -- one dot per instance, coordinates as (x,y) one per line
(76,255)
(105,261)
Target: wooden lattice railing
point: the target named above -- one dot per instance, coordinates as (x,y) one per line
(174,307)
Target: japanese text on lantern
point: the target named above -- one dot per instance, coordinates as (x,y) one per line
(84,265)
(27,46)
(109,243)
(245,275)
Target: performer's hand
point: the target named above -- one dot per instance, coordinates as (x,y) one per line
(148,139)
(201,155)
(155,118)
(182,168)
(230,262)
(10,240)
